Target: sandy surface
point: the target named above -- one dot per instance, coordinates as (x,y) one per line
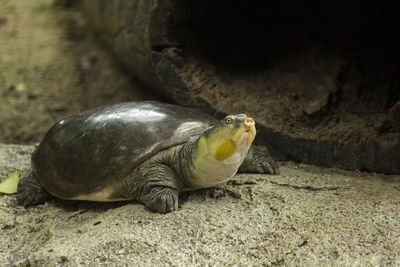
(305,216)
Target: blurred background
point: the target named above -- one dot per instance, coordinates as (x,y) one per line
(51,66)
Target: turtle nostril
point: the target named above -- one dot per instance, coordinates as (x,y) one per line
(247,123)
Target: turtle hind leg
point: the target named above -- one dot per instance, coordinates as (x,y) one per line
(31,192)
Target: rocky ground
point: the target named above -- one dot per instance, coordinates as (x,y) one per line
(305,216)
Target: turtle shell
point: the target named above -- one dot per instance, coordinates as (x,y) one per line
(87,151)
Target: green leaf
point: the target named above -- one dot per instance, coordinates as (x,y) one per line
(10,185)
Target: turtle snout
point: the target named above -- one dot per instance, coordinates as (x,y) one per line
(248,123)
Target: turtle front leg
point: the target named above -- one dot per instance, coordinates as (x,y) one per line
(161,199)
(154,184)
(160,189)
(258,159)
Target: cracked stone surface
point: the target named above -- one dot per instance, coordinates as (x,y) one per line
(305,216)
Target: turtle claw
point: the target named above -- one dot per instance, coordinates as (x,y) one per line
(162,200)
(268,167)
(259,160)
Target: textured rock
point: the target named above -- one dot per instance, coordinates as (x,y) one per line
(318,96)
(305,216)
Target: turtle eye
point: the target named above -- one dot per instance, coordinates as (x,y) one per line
(228,120)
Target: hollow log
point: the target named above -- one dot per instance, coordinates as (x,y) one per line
(318,77)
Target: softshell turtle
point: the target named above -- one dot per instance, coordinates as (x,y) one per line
(147,151)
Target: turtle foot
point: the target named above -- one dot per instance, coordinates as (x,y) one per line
(161,199)
(259,160)
(30,192)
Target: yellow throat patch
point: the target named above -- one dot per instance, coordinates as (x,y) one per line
(225,150)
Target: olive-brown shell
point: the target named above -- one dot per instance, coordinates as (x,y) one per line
(89,150)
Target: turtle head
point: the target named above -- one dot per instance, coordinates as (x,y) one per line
(222,147)
(233,134)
